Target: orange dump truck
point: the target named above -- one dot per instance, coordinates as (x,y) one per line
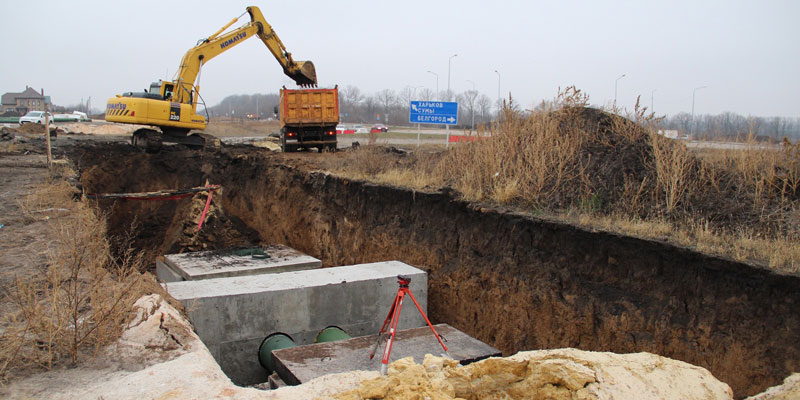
(309,118)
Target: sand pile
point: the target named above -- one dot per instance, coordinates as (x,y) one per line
(550,374)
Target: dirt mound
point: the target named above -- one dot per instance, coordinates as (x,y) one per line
(30,129)
(557,374)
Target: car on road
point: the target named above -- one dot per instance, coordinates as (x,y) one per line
(343,129)
(378,128)
(76,116)
(35,117)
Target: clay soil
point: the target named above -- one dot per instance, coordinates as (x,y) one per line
(23,240)
(509,279)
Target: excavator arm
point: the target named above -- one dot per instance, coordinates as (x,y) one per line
(302,72)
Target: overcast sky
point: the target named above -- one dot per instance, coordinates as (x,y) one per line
(745,52)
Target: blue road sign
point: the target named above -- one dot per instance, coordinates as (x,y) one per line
(433,112)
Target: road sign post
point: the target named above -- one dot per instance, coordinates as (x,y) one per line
(433,112)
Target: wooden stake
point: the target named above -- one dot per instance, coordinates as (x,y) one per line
(47,132)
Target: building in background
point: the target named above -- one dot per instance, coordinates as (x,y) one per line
(22,102)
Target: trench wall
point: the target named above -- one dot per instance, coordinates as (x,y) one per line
(522,283)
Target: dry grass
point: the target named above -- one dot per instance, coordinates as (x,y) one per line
(566,159)
(80,300)
(778,254)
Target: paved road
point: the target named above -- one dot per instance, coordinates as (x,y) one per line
(344,140)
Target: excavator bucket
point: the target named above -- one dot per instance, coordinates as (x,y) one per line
(304,74)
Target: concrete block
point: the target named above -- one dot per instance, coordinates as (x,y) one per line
(224,263)
(301,364)
(233,315)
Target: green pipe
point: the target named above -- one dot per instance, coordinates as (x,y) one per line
(331,334)
(276,341)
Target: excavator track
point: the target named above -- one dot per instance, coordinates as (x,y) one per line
(149,140)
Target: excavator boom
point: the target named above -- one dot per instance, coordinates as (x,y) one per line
(302,72)
(172,105)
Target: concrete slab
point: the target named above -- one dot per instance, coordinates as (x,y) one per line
(233,315)
(301,364)
(224,263)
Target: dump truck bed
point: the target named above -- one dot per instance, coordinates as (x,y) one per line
(309,107)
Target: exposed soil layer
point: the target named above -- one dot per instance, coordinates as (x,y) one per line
(511,280)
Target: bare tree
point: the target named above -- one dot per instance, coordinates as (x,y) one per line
(406,96)
(371,105)
(427,94)
(387,98)
(447,95)
(350,97)
(468,101)
(485,107)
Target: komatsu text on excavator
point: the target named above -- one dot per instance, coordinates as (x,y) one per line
(171,106)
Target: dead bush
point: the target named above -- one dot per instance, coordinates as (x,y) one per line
(80,300)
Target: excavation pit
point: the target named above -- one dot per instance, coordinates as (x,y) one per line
(509,279)
(232,262)
(232,316)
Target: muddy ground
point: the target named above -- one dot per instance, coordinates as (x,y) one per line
(23,234)
(512,280)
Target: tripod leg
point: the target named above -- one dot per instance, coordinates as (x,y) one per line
(392,332)
(429,322)
(383,328)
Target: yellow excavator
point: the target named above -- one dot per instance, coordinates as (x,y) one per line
(170,107)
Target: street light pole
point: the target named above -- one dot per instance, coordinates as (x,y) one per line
(651,99)
(448,74)
(691,129)
(472,108)
(615,91)
(498,88)
(447,127)
(437,83)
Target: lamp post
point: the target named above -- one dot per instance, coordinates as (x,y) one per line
(447,127)
(415,90)
(651,99)
(437,83)
(615,90)
(498,88)
(449,60)
(691,129)
(472,107)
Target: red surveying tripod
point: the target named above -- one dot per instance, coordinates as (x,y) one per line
(391,322)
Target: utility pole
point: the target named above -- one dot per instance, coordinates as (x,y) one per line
(47,131)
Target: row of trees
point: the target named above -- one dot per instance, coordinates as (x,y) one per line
(732,124)
(391,107)
(386,106)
